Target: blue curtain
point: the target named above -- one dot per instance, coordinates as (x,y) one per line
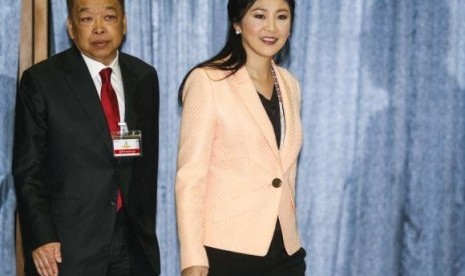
(381,183)
(382,173)
(9,44)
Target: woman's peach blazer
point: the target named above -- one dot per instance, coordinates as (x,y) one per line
(227,161)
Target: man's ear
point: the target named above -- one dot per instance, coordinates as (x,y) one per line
(69,26)
(125,26)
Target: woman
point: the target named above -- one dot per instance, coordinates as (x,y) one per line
(239,142)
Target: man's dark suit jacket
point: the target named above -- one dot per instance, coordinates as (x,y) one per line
(65,174)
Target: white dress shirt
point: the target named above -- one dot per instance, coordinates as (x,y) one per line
(116,79)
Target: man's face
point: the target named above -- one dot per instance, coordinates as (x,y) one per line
(97,28)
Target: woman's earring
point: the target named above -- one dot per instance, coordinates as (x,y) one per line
(238,32)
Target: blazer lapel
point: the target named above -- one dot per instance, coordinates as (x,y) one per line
(82,86)
(247,92)
(292,141)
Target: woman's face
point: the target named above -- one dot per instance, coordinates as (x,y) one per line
(265,28)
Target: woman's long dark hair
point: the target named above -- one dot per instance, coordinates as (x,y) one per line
(233,56)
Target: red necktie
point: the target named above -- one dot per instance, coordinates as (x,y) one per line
(110,107)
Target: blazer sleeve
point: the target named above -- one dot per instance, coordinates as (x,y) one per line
(195,144)
(29,164)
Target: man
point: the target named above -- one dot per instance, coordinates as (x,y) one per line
(85,153)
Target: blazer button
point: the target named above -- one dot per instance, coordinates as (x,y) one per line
(113,203)
(276,183)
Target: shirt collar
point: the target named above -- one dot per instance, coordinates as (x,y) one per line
(95,67)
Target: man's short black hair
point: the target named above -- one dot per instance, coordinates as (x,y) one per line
(70,3)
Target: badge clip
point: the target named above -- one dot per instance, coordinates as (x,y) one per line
(126,143)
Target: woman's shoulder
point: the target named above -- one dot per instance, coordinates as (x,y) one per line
(209,72)
(287,76)
(285,73)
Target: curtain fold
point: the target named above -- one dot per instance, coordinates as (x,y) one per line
(381,178)
(9,43)
(33,48)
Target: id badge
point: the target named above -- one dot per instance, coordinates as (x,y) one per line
(127,143)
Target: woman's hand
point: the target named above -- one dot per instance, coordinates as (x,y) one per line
(195,271)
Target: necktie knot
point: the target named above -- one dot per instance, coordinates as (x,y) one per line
(105,74)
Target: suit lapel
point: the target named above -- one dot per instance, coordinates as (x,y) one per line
(129,83)
(83,88)
(291,144)
(249,96)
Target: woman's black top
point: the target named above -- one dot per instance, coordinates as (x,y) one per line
(272,110)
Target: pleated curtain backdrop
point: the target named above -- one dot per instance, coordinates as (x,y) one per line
(381,181)
(9,43)
(33,49)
